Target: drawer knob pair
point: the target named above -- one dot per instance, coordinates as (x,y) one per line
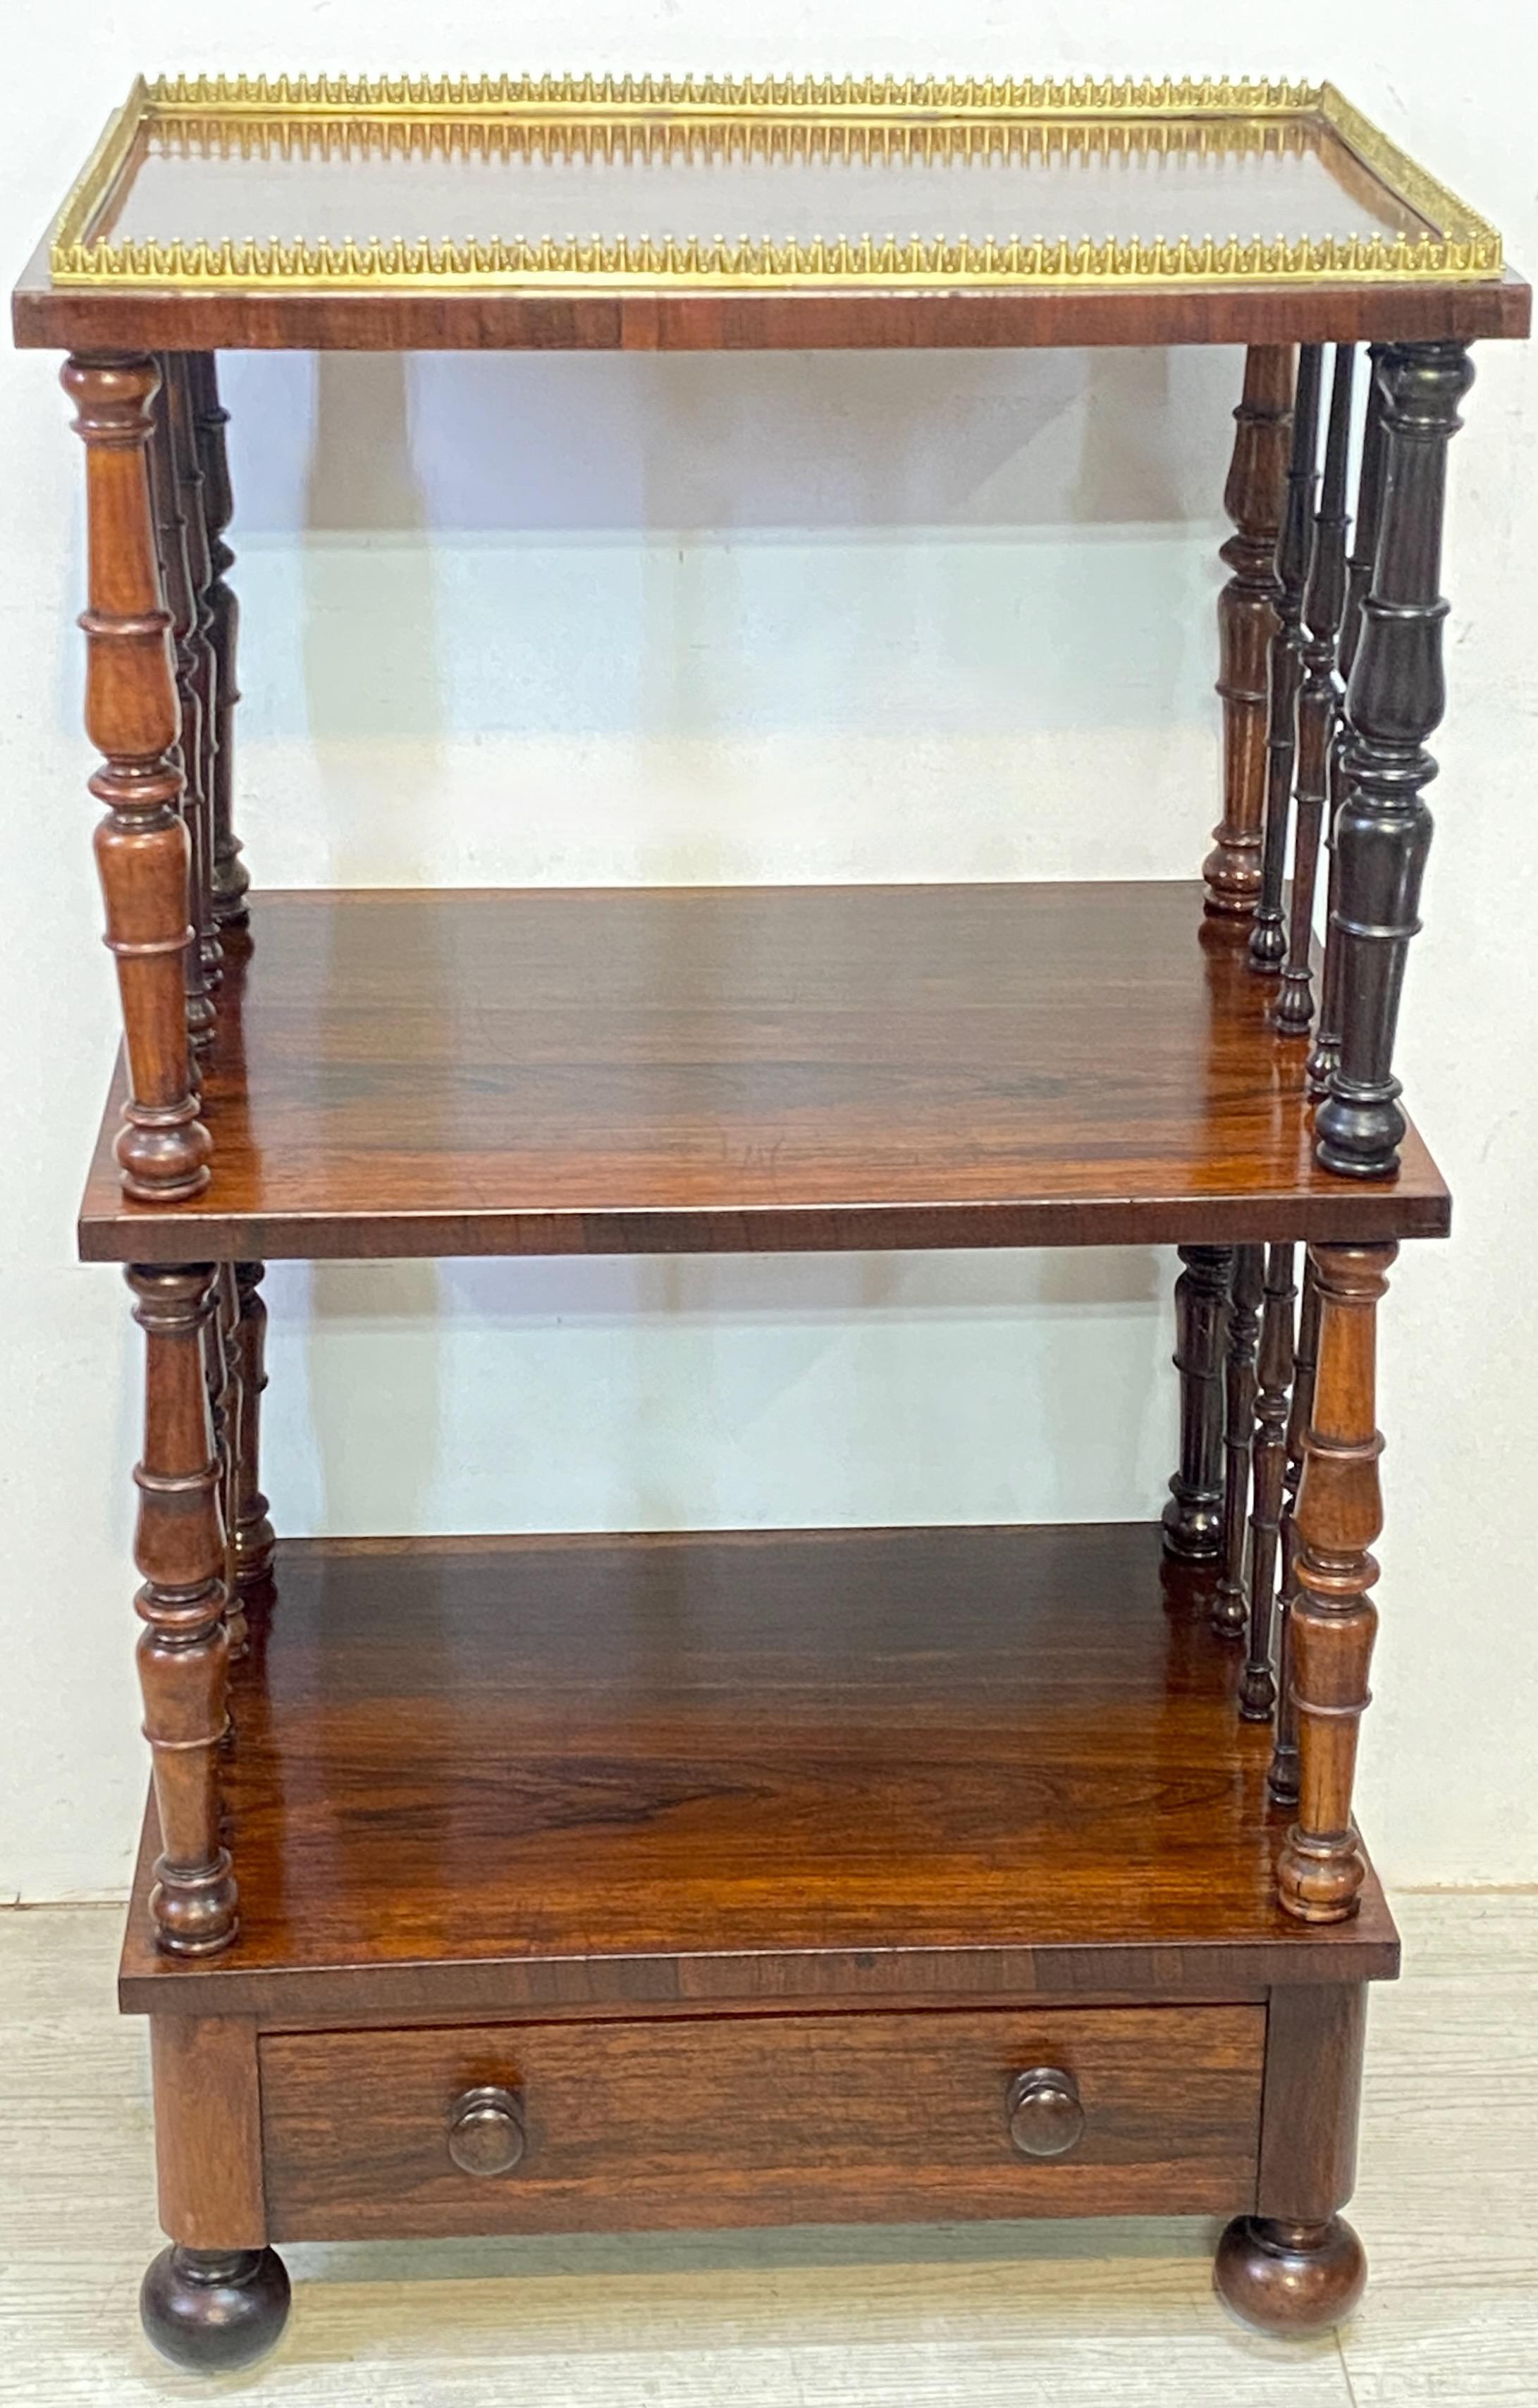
(1045,2113)
(486,2132)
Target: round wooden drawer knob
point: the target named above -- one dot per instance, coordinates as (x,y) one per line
(1045,2113)
(486,2131)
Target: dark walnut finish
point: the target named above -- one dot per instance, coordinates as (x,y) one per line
(214,2311)
(764,2119)
(1267,1459)
(731,1069)
(1395,699)
(251,1529)
(193,692)
(209,419)
(1247,622)
(1193,1518)
(142,851)
(487,1778)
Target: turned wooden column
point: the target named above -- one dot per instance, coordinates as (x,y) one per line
(1318,699)
(1193,1518)
(1282,1778)
(142,852)
(1257,1689)
(1228,1611)
(183,1650)
(253,1536)
(191,690)
(1268,936)
(1395,698)
(1247,622)
(1334,1619)
(230,878)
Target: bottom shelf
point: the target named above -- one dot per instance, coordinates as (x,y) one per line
(596,1775)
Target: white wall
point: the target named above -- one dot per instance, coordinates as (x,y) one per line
(590,619)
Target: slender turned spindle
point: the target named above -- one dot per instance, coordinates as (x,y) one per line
(1193,1518)
(183,1652)
(177,407)
(1281,1780)
(1320,698)
(131,715)
(1246,621)
(253,1539)
(1227,1610)
(1395,699)
(231,880)
(1334,1619)
(223,1373)
(1267,938)
(1327,1047)
(1326,1054)
(171,538)
(1257,1689)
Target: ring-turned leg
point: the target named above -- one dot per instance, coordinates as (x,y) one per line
(1193,1518)
(1296,2266)
(1246,621)
(1396,698)
(183,1652)
(1332,1619)
(178,409)
(131,715)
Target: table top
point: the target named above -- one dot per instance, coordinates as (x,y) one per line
(329,211)
(731,1069)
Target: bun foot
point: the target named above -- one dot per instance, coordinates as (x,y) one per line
(1289,2279)
(214,2310)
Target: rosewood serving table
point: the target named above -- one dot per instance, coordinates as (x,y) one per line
(552,1882)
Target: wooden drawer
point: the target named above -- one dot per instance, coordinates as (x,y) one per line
(770,2119)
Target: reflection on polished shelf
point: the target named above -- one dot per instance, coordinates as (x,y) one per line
(547,1883)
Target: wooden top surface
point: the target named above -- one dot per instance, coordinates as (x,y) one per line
(598,1772)
(741,1068)
(612,211)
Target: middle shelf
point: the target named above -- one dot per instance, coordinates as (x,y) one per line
(718,1069)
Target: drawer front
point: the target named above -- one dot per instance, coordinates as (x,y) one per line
(773,2119)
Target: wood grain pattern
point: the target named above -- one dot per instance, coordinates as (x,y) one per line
(1308,2124)
(754,1769)
(208,2131)
(44,317)
(737,1069)
(769,2120)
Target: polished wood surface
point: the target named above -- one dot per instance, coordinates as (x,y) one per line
(762,2119)
(51,318)
(503,1775)
(208,2131)
(736,1069)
